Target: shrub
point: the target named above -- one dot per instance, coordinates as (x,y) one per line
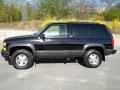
(112,14)
(113,25)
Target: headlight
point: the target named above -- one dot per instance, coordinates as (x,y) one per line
(4,44)
(5,49)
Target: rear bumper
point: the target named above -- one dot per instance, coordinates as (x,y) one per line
(110,51)
(4,54)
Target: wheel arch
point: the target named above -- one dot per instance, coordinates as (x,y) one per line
(13,47)
(99,47)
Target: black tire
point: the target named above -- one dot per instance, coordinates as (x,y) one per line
(29,56)
(87,58)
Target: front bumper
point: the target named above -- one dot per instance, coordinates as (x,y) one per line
(110,51)
(5,54)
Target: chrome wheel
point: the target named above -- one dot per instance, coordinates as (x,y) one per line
(93,59)
(21,60)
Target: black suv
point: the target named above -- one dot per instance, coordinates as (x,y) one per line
(90,41)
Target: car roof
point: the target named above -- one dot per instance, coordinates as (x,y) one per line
(76,23)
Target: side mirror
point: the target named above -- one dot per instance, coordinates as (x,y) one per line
(42,36)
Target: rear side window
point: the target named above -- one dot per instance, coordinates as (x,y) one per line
(89,30)
(80,30)
(98,31)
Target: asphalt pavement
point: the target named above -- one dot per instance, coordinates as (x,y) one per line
(55,75)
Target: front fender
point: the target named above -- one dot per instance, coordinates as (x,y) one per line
(21,45)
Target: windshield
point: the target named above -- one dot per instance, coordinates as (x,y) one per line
(38,33)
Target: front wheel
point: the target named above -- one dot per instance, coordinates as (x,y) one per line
(92,58)
(22,59)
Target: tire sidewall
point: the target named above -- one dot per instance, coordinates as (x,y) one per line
(25,52)
(88,53)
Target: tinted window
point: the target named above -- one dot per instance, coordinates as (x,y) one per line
(80,30)
(98,31)
(56,31)
(89,30)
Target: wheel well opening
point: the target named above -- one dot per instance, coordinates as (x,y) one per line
(100,49)
(12,50)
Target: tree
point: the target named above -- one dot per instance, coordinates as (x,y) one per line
(118,5)
(109,3)
(9,13)
(82,9)
(1,2)
(113,13)
(15,14)
(53,8)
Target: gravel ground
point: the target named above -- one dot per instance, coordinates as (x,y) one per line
(50,75)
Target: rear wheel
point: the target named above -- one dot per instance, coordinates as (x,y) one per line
(22,59)
(92,58)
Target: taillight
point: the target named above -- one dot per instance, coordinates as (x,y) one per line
(113,42)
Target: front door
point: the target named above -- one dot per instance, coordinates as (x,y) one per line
(55,43)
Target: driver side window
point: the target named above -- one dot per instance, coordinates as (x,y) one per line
(56,31)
